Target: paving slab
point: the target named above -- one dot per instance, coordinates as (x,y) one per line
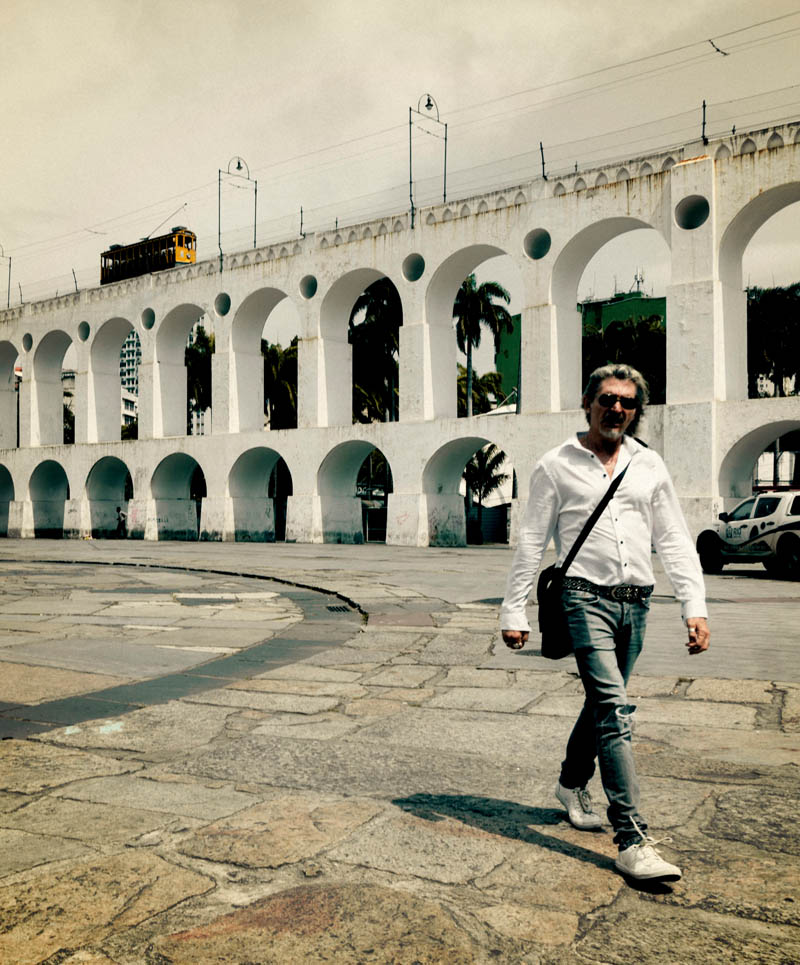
(29,768)
(30,684)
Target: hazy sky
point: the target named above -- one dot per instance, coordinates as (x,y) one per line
(118,115)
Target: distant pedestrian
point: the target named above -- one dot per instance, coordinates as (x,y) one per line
(606,594)
(122,523)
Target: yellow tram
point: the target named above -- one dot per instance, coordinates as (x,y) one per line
(179,247)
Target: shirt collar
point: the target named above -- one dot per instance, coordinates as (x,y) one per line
(629,444)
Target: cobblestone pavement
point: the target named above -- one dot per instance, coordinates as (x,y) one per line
(209,761)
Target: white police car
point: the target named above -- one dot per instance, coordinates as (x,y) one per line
(762,529)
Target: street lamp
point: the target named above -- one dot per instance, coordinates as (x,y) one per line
(429,105)
(4,255)
(241,164)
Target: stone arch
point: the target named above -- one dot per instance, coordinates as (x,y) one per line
(645,170)
(335,310)
(623,174)
(367,233)
(465,212)
(567,272)
(439,299)
(431,219)
(483,207)
(8,395)
(501,203)
(177,487)
(723,152)
(108,486)
(48,491)
(47,415)
(398,226)
(441,483)
(736,468)
(254,510)
(341,507)
(735,239)
(6,498)
(383,230)
(104,382)
(748,146)
(352,236)
(601,179)
(559,190)
(246,391)
(169,377)
(284,252)
(338,239)
(448,215)
(520,198)
(668,163)
(796,138)
(775,141)
(580,185)
(324,243)
(297,250)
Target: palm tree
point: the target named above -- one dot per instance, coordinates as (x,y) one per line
(485,390)
(483,477)
(375,339)
(280,384)
(476,306)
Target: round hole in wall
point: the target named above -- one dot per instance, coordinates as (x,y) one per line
(537,243)
(413,267)
(222,304)
(27,341)
(692,212)
(83,331)
(308,286)
(148,318)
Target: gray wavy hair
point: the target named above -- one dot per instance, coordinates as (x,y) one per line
(626,373)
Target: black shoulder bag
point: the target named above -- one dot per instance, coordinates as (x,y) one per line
(556,642)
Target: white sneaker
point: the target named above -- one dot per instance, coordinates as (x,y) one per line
(578,802)
(642,862)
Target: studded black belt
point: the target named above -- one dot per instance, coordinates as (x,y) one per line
(624,593)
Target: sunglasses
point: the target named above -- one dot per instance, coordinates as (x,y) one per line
(607,401)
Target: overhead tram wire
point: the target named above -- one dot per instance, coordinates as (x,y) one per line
(540,106)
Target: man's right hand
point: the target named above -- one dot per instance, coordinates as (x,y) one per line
(515,639)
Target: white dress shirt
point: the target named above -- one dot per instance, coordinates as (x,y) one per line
(566,485)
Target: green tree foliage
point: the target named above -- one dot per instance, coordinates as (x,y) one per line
(478,306)
(130,430)
(485,390)
(483,477)
(197,358)
(773,339)
(374,333)
(69,426)
(640,342)
(280,384)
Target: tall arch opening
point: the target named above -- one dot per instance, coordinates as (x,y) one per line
(374,337)
(756,255)
(109,486)
(48,492)
(469,491)
(336,314)
(354,484)
(178,488)
(623,307)
(53,387)
(6,497)
(257,484)
(172,391)
(10,375)
(106,395)
(264,346)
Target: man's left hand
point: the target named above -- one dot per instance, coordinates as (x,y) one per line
(699,634)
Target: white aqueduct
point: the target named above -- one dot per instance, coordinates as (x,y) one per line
(706,201)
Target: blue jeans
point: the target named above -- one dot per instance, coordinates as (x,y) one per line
(607,637)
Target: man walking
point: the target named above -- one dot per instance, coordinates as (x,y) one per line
(606,594)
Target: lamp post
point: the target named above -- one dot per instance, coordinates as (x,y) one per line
(430,105)
(241,164)
(8,257)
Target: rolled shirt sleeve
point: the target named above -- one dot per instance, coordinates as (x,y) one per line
(676,551)
(536,531)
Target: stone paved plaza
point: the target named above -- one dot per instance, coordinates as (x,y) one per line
(269,753)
